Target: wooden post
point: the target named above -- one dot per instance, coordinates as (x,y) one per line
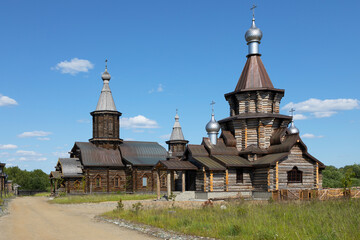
(211,181)
(226,180)
(317,175)
(183,181)
(158,184)
(246,137)
(172,180)
(277,175)
(108,181)
(269,180)
(168,183)
(204,179)
(134,178)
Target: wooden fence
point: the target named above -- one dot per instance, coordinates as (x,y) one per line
(323,194)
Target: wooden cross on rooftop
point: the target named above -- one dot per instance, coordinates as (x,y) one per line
(292,110)
(106,63)
(253,9)
(212,105)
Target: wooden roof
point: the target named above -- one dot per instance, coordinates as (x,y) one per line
(207,162)
(254,75)
(175,165)
(232,161)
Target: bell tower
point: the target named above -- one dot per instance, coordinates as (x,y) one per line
(255,103)
(106,126)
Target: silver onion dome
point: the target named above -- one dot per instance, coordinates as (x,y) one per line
(254,33)
(106,75)
(253,37)
(213,126)
(293,129)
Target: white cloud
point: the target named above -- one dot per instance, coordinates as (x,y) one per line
(8,146)
(83,121)
(27,153)
(323,108)
(299,117)
(310,135)
(6,101)
(129,139)
(138,122)
(61,154)
(166,136)
(43,139)
(74,66)
(34,134)
(160,88)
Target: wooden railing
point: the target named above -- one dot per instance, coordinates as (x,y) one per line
(323,194)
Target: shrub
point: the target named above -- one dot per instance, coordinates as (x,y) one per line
(120,205)
(137,207)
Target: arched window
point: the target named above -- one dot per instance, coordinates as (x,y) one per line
(294,175)
(117,181)
(98,181)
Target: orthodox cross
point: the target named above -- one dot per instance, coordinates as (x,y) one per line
(253,9)
(176,111)
(106,64)
(212,106)
(292,110)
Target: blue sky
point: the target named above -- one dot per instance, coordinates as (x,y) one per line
(165,55)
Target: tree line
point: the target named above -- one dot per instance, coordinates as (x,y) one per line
(332,177)
(29,180)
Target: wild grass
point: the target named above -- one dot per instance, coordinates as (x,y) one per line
(331,220)
(96,198)
(42,194)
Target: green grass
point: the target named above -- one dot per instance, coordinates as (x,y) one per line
(306,220)
(43,194)
(96,198)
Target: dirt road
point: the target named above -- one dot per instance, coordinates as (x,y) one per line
(34,218)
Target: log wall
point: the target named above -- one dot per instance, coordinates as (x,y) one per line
(237,187)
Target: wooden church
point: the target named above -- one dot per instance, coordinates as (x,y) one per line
(259,149)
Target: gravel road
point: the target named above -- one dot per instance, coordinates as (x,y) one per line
(34,218)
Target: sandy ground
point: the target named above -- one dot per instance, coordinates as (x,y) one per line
(34,218)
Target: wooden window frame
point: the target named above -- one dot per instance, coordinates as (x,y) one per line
(117,180)
(98,180)
(294,175)
(239,175)
(147,182)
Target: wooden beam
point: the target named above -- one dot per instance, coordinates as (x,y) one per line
(172,180)
(158,184)
(108,181)
(317,175)
(204,179)
(226,180)
(269,180)
(246,137)
(183,181)
(211,181)
(277,175)
(168,183)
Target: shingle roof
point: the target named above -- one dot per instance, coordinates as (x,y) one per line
(176,165)
(197,150)
(270,159)
(70,167)
(208,163)
(106,101)
(254,75)
(232,161)
(55,174)
(98,156)
(219,148)
(142,153)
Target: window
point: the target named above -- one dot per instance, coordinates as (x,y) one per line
(144,180)
(294,175)
(239,176)
(98,181)
(116,181)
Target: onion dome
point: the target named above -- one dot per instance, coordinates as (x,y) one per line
(254,33)
(293,129)
(106,75)
(106,101)
(213,125)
